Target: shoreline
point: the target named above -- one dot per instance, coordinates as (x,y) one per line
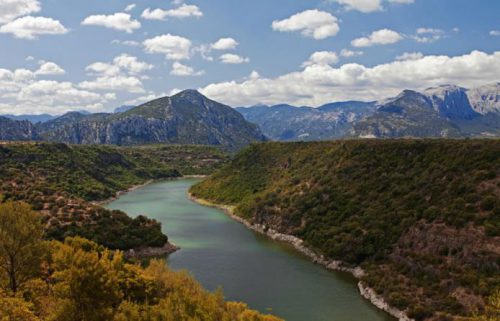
(365,291)
(145,252)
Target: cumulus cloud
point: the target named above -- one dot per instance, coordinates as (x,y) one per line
(123,74)
(225,44)
(311,23)
(379,37)
(11,9)
(495,33)
(114,83)
(322,58)
(118,21)
(319,84)
(49,68)
(22,92)
(179,69)
(173,47)
(31,27)
(184,11)
(233,59)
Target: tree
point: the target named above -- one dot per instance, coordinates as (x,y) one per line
(21,245)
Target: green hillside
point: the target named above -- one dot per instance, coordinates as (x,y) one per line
(422,217)
(61,182)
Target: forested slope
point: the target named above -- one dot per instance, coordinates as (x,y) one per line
(61,181)
(422,217)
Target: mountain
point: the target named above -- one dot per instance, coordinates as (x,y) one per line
(32,118)
(289,123)
(186,118)
(409,114)
(444,111)
(21,130)
(420,217)
(485,99)
(123,109)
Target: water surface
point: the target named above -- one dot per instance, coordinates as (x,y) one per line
(270,276)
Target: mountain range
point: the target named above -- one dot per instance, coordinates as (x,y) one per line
(185,118)
(191,118)
(444,111)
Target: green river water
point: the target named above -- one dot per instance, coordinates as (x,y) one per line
(270,276)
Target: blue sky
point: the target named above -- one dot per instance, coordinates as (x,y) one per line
(59,55)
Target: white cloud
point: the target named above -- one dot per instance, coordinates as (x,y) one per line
(184,11)
(319,84)
(130,7)
(495,33)
(428,35)
(179,69)
(233,59)
(131,64)
(31,27)
(311,23)
(102,68)
(349,53)
(379,37)
(123,64)
(118,21)
(361,5)
(173,47)
(131,43)
(322,58)
(367,6)
(410,56)
(114,83)
(11,9)
(123,74)
(21,92)
(225,44)
(49,68)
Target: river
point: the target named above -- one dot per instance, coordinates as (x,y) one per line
(270,276)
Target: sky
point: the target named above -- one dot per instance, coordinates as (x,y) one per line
(66,55)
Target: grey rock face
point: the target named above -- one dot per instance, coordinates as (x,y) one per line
(186,118)
(16,130)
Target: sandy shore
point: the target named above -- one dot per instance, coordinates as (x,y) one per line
(298,244)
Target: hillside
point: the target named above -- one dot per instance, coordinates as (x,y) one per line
(421,217)
(61,181)
(185,118)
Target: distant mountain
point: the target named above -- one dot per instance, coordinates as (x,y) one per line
(32,118)
(409,114)
(186,118)
(289,123)
(19,130)
(444,111)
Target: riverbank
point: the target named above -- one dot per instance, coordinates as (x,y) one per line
(298,244)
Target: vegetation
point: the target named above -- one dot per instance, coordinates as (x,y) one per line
(422,217)
(60,181)
(79,280)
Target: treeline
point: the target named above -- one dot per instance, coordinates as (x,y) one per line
(61,181)
(79,280)
(422,217)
